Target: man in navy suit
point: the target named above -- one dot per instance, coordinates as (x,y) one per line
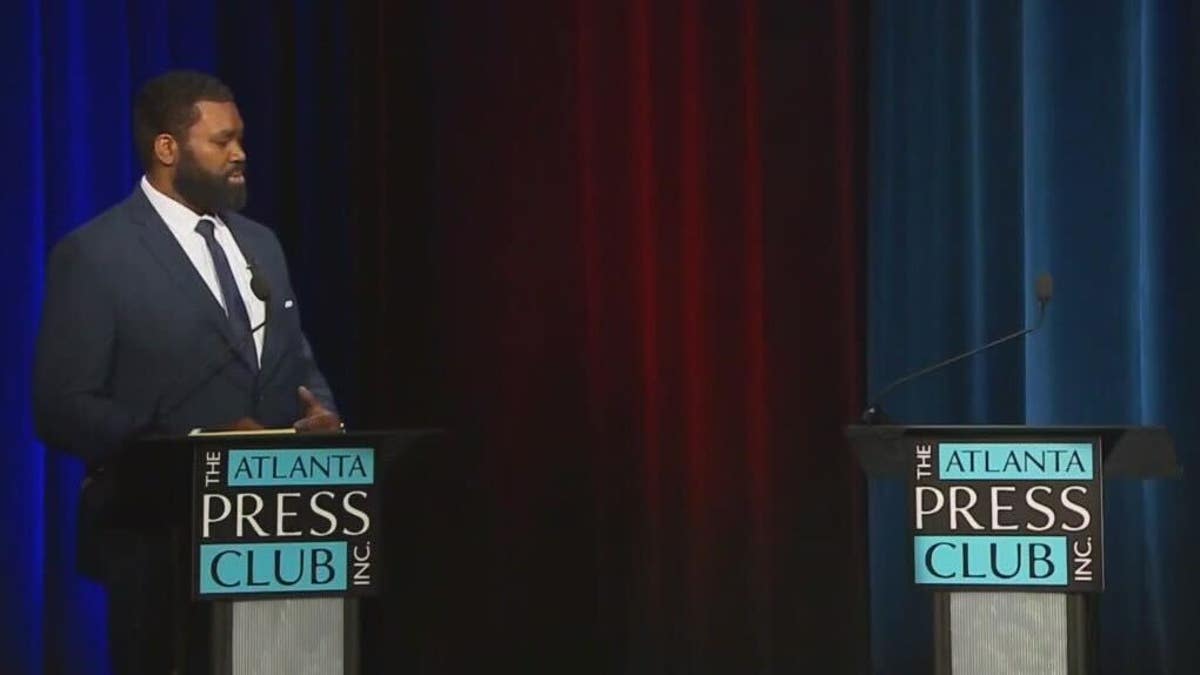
(168,312)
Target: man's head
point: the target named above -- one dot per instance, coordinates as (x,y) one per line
(189,138)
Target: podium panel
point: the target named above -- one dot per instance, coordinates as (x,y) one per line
(1007,533)
(300,636)
(279,535)
(1006,633)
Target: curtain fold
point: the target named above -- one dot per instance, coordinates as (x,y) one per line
(1010,139)
(649,233)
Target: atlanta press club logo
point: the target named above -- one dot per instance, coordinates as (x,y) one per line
(285,521)
(1007,513)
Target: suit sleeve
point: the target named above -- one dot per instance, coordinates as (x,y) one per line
(73,409)
(314,380)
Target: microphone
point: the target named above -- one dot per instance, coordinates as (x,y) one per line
(261,290)
(1043,289)
(259,286)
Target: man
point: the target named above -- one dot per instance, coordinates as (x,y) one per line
(168,312)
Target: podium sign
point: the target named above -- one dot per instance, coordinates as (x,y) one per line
(995,511)
(1007,514)
(283,522)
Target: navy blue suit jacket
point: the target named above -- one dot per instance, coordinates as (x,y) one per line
(132,341)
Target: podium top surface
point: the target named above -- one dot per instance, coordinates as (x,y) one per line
(1129,451)
(284,437)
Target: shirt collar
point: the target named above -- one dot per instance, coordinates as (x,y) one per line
(179,218)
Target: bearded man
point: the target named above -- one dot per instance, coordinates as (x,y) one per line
(168,312)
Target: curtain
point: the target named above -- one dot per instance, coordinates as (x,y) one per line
(648,245)
(615,248)
(1011,139)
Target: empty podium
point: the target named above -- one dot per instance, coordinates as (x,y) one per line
(1007,532)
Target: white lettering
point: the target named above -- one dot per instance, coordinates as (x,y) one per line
(227,507)
(333,523)
(1085,517)
(366,520)
(957,509)
(281,513)
(922,510)
(997,507)
(1040,508)
(243,517)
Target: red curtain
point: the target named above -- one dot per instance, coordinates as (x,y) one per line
(620,253)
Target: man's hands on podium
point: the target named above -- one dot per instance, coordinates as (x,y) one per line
(316,416)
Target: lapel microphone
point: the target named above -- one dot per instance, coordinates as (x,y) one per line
(261,290)
(258,284)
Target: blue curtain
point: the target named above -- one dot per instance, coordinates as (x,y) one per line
(69,69)
(1008,139)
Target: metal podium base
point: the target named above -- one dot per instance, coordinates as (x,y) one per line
(984,633)
(301,636)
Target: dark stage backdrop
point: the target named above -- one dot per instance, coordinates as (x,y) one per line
(647,253)
(616,246)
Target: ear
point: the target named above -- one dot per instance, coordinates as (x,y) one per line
(166,149)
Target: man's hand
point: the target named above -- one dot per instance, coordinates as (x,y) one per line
(244,424)
(316,416)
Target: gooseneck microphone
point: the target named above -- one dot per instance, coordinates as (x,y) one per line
(261,290)
(1044,290)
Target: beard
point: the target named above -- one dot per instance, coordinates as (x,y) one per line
(208,192)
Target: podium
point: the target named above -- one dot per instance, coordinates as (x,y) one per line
(1007,533)
(276,537)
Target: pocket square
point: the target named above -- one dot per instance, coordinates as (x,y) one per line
(287,304)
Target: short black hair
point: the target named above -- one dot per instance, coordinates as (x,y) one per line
(167,104)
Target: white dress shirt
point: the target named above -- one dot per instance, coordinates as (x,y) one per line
(182,221)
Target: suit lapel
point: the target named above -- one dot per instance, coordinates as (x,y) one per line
(273,340)
(162,245)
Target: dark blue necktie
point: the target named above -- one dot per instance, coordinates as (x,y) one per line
(235,309)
